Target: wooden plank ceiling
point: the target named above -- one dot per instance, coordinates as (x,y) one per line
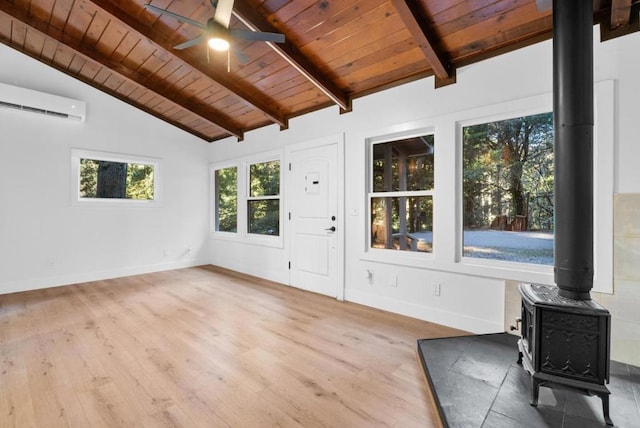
(335,50)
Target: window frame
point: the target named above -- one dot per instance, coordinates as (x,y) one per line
(604,141)
(214,200)
(76,200)
(477,261)
(386,254)
(248,198)
(447,202)
(243,182)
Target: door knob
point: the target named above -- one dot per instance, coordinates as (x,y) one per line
(332,228)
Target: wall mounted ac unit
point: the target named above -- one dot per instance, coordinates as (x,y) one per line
(28,100)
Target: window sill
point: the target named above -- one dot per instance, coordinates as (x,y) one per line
(398,257)
(249,239)
(115,203)
(525,272)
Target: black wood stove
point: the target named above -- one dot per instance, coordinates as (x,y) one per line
(565,335)
(564,342)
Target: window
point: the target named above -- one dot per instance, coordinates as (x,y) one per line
(263,201)
(508,189)
(103,178)
(245,202)
(401,194)
(226,199)
(107,179)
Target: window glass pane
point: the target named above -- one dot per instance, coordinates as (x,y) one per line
(508,189)
(402,223)
(404,165)
(264,217)
(226,181)
(116,180)
(264,179)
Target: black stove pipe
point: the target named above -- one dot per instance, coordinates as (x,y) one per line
(573,147)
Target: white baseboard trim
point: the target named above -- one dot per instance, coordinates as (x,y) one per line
(271,275)
(77,278)
(431,314)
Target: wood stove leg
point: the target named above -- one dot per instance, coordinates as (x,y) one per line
(535,390)
(519,358)
(605,408)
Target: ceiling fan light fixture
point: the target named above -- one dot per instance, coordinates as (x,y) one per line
(218,44)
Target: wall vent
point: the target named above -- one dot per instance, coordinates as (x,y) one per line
(28,100)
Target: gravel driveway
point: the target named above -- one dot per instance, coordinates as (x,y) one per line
(503,239)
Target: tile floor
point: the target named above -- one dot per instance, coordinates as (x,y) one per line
(478,383)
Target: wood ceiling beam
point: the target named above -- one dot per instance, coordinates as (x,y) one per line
(417,23)
(604,17)
(89,52)
(620,13)
(257,22)
(223,79)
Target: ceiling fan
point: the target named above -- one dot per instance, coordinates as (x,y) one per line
(216,32)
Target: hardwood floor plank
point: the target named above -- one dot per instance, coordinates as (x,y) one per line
(17,406)
(207,347)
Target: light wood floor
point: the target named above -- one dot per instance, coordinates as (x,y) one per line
(203,347)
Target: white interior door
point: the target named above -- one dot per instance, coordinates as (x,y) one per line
(313,220)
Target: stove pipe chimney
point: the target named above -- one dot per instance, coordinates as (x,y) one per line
(573,146)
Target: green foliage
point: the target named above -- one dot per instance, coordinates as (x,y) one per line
(139,179)
(88,178)
(415,173)
(264,214)
(226,181)
(406,167)
(140,182)
(264,217)
(418,212)
(508,170)
(264,179)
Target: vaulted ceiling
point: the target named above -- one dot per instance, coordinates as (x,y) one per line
(335,50)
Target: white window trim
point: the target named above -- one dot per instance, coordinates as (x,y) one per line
(384,255)
(398,194)
(447,201)
(212,206)
(76,200)
(256,237)
(603,193)
(475,261)
(242,235)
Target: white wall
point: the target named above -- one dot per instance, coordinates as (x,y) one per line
(44,240)
(472,298)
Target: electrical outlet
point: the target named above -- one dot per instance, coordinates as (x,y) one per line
(435,289)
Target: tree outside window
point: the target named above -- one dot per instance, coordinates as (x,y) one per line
(401,194)
(263,202)
(508,189)
(116,180)
(226,199)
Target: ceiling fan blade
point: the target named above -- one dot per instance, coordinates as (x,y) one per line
(241,57)
(191,42)
(256,36)
(224,8)
(176,16)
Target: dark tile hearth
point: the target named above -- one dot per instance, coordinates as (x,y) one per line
(477,383)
